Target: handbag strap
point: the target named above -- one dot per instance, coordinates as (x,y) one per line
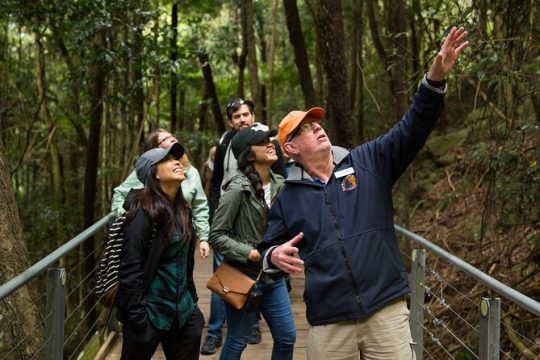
(259,276)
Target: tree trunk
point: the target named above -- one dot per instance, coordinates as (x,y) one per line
(481,9)
(261,32)
(182,109)
(535,54)
(339,105)
(398,58)
(398,72)
(319,49)
(249,32)
(296,37)
(73,64)
(271,57)
(211,87)
(416,22)
(375,37)
(55,167)
(264,105)
(174,55)
(137,81)
(356,23)
(240,60)
(97,92)
(19,312)
(126,125)
(5,49)
(203,109)
(157,74)
(536,106)
(357,75)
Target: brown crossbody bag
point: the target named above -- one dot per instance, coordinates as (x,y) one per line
(233,286)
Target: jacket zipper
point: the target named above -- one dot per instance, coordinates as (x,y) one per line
(343,252)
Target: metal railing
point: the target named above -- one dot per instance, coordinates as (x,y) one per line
(54,319)
(426,316)
(489,309)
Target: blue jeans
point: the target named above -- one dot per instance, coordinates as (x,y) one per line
(277,311)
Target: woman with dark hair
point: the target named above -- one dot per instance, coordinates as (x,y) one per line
(156,300)
(192,189)
(238,226)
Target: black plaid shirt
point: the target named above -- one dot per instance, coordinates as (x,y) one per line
(168,297)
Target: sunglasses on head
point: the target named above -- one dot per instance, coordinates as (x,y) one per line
(235,103)
(166,138)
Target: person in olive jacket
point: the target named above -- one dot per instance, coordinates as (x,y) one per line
(156,300)
(238,226)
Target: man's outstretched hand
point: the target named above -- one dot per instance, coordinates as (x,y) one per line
(283,256)
(453,45)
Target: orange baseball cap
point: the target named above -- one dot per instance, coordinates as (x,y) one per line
(290,123)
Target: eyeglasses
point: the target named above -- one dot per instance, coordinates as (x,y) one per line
(166,138)
(304,128)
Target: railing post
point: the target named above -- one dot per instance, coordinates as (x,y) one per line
(418,275)
(54,323)
(490,329)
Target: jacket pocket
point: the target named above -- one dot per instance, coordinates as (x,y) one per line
(132,309)
(329,290)
(377,267)
(146,335)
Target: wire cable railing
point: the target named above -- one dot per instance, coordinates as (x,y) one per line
(446,328)
(56,335)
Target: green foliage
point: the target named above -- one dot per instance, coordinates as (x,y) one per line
(518,186)
(473,344)
(442,144)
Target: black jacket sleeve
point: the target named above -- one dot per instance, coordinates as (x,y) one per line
(130,299)
(191,263)
(217,178)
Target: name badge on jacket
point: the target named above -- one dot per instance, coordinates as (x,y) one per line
(341,173)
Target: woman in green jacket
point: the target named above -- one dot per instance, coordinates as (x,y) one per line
(238,226)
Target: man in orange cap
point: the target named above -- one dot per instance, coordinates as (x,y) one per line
(335,212)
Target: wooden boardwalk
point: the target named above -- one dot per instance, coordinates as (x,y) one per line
(262,351)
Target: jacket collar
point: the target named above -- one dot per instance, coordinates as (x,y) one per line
(296,171)
(275,184)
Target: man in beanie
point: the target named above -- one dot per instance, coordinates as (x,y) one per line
(335,212)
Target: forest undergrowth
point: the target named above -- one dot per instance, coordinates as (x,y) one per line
(483,208)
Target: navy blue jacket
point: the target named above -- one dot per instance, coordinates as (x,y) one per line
(351,258)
